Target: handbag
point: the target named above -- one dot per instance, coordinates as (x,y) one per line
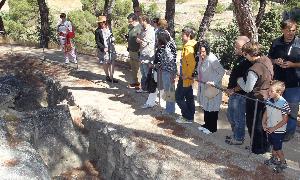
(169,95)
(151,85)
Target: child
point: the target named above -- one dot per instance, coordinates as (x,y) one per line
(274,123)
(184,92)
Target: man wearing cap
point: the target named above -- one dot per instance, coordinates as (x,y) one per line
(63,28)
(106,49)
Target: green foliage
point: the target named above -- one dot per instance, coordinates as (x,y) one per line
(269,29)
(151,11)
(220,8)
(21,22)
(223,45)
(88,5)
(180,1)
(230,7)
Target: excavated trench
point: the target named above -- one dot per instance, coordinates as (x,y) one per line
(36,115)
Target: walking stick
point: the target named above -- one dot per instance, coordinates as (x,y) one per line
(253,126)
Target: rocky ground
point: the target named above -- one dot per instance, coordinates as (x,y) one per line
(127,141)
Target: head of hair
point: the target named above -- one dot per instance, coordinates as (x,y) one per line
(278,86)
(163,37)
(189,32)
(155,20)
(145,18)
(252,48)
(63,15)
(205,44)
(242,39)
(163,24)
(288,23)
(132,16)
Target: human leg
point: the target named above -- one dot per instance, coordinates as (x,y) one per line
(230,111)
(135,65)
(167,85)
(190,103)
(292,96)
(144,72)
(239,117)
(180,96)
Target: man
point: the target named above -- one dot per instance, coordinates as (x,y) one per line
(285,54)
(63,29)
(147,49)
(237,104)
(133,47)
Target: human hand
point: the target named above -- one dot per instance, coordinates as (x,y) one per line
(287,64)
(229,92)
(105,49)
(270,130)
(278,61)
(138,40)
(210,83)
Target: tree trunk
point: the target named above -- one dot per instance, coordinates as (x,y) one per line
(207,18)
(135,3)
(45,25)
(169,16)
(261,12)
(244,17)
(108,7)
(2,29)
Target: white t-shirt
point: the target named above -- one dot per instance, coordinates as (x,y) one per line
(63,26)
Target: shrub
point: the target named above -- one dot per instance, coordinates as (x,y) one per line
(220,8)
(223,45)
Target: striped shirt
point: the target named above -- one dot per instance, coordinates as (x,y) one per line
(274,116)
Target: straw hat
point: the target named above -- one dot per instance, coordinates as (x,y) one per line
(210,91)
(101,19)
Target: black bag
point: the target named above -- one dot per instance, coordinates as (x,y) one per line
(151,85)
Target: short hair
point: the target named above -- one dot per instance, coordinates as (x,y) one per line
(252,48)
(163,37)
(63,15)
(205,44)
(288,23)
(278,86)
(132,16)
(189,32)
(145,18)
(155,20)
(163,24)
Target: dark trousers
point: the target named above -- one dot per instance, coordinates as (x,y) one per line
(210,120)
(260,143)
(185,100)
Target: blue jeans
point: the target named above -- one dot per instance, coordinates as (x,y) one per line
(144,72)
(185,100)
(236,115)
(292,96)
(167,84)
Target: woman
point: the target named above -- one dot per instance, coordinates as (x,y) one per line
(166,55)
(106,49)
(256,84)
(211,72)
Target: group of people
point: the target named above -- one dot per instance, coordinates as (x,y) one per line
(267,87)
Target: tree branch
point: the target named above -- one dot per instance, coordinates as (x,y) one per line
(261,12)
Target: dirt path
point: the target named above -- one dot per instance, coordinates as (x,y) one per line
(180,150)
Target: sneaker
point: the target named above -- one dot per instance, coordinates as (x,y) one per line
(145,106)
(67,61)
(108,79)
(133,85)
(233,142)
(141,91)
(182,120)
(204,130)
(114,80)
(280,167)
(75,61)
(272,161)
(229,137)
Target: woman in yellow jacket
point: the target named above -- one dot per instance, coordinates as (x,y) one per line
(184,91)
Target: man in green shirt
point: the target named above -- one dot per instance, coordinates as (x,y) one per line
(134,29)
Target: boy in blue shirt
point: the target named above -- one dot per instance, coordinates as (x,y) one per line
(274,123)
